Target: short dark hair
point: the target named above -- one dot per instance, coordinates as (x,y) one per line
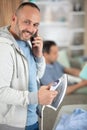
(47,45)
(27,4)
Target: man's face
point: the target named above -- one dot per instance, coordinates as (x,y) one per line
(26,22)
(53,54)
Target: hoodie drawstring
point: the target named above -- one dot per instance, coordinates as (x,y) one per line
(15,58)
(24,69)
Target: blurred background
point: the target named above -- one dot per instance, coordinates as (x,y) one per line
(64,21)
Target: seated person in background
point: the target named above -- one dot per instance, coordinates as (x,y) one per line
(55,70)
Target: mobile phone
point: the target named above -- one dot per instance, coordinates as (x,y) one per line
(32,38)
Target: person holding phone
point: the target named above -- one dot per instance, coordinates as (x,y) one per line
(21,66)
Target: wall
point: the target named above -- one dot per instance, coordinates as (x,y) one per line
(85,36)
(7,8)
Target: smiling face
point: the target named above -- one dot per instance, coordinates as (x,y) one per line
(25,23)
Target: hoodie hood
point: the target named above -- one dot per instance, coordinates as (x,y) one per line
(5,34)
(7,37)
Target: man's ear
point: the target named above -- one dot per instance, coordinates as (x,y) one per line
(14,17)
(45,54)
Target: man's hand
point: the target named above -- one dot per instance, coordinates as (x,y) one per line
(45,96)
(37,46)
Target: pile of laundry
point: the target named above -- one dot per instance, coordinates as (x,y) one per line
(75,121)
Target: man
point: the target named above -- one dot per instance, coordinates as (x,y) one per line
(55,70)
(21,65)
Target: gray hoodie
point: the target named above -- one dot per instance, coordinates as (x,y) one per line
(14,94)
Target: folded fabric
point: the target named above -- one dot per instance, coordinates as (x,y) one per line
(75,121)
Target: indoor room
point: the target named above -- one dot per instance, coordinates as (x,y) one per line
(55,55)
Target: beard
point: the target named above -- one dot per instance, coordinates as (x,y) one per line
(23,34)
